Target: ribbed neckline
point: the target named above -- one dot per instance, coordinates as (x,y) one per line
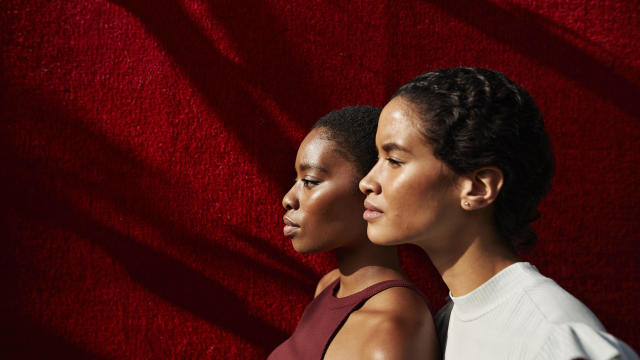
(493,292)
(366,293)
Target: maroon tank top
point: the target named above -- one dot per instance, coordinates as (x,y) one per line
(323,317)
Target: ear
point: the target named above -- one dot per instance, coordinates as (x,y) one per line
(481,188)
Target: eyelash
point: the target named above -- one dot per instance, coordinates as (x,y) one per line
(393,162)
(308,183)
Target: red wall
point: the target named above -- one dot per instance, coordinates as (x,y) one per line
(146,146)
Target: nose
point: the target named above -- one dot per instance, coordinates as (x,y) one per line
(369,184)
(290,200)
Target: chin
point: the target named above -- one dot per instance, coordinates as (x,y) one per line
(302,248)
(304,251)
(382,238)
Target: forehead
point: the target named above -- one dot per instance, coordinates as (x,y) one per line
(317,149)
(400,124)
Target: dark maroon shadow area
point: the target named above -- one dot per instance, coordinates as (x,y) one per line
(23,339)
(528,33)
(269,64)
(144,193)
(38,189)
(160,274)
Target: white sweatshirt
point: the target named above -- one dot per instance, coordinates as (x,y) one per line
(520,314)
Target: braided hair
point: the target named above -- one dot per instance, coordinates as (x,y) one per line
(477,117)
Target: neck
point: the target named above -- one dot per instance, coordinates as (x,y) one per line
(476,256)
(364,265)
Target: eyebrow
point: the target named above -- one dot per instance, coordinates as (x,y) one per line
(388,147)
(307,166)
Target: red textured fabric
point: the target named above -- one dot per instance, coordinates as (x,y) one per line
(146,146)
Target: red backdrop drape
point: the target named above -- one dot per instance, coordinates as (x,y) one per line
(145,147)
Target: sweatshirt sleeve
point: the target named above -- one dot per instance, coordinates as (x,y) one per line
(580,341)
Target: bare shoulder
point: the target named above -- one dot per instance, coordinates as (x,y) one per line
(403,326)
(327,279)
(394,324)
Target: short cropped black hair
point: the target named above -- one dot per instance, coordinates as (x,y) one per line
(478,117)
(353,128)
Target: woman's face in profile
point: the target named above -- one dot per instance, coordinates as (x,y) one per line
(410,196)
(324,206)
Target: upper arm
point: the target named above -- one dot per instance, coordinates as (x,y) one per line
(404,328)
(402,339)
(579,340)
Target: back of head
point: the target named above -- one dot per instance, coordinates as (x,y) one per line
(353,129)
(477,117)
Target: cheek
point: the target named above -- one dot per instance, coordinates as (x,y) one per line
(345,208)
(416,200)
(406,191)
(335,207)
(316,208)
(335,219)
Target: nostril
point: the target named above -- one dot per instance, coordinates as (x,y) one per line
(289,202)
(364,187)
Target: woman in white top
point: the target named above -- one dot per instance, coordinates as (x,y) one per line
(463,162)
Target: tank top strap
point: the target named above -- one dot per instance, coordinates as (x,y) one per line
(330,289)
(363,295)
(384,285)
(324,316)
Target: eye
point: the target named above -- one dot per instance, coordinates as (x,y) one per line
(308,184)
(393,162)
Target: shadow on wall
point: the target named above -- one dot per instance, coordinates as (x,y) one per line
(166,277)
(162,275)
(269,65)
(529,34)
(81,159)
(18,336)
(40,186)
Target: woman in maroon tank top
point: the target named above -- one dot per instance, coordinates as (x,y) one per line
(365,308)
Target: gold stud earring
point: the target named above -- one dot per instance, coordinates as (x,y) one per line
(466,203)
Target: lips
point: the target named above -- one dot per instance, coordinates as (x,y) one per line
(371,212)
(290,227)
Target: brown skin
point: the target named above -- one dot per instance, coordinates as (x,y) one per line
(324,211)
(412,197)
(323,197)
